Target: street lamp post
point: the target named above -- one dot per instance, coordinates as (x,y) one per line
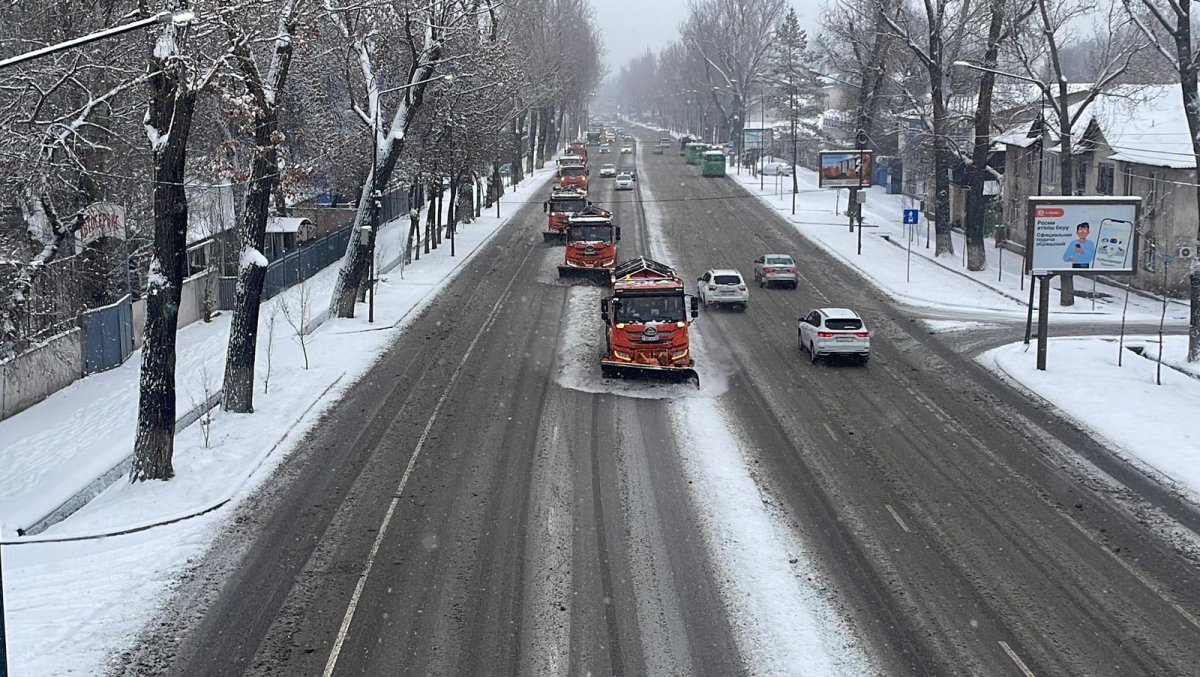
(180,17)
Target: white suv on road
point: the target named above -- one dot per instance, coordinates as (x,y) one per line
(834,331)
(722,286)
(608,171)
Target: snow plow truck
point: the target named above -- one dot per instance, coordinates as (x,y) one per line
(573,176)
(591,249)
(563,203)
(646,320)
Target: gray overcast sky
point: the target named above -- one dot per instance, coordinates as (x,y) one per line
(630,26)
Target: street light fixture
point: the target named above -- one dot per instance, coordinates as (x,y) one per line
(178,18)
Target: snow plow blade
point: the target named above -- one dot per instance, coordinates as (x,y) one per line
(551,236)
(631,372)
(598,275)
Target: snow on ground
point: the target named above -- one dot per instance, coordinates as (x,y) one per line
(948,326)
(1151,425)
(782,623)
(72,605)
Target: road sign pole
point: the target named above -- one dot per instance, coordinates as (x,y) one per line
(1033,279)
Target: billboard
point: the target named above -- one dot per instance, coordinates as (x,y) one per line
(1082,235)
(756,139)
(845,169)
(100,219)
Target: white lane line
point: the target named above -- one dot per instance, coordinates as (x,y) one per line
(896,516)
(1016,659)
(830,431)
(412,461)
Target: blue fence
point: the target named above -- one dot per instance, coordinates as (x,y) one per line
(294,267)
(107,335)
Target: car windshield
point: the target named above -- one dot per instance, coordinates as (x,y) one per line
(590,233)
(569,205)
(574,171)
(843,323)
(624,177)
(779,261)
(610,166)
(727,279)
(640,309)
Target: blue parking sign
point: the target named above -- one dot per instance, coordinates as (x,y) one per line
(911,217)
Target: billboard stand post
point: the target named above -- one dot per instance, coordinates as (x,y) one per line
(1029,314)
(1043,321)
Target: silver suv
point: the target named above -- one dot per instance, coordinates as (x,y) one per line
(721,286)
(775,268)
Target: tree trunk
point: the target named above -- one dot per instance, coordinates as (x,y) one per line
(517,152)
(1066,180)
(533,132)
(943,245)
(1191,95)
(238,394)
(172,106)
(977,170)
(430,220)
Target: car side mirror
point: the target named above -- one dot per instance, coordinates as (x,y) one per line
(695,308)
(546,207)
(618,232)
(604,309)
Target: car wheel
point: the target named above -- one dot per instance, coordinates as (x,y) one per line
(800,340)
(864,359)
(812,353)
(792,284)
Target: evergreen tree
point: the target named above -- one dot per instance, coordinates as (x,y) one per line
(797,87)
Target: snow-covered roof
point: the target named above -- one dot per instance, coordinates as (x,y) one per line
(1143,124)
(1146,127)
(286,224)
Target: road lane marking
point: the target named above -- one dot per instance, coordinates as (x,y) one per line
(1016,659)
(830,431)
(344,630)
(896,516)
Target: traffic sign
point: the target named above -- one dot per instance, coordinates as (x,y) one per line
(911,217)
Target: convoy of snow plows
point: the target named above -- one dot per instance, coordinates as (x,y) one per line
(648,315)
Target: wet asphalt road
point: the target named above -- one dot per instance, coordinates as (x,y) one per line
(537,528)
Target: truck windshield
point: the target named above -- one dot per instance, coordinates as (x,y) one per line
(572,205)
(591,234)
(574,171)
(640,309)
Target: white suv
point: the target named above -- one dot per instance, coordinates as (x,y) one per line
(721,286)
(608,171)
(834,331)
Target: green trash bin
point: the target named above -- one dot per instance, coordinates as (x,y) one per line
(695,153)
(714,163)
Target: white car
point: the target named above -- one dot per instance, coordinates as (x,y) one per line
(834,331)
(624,182)
(604,149)
(723,286)
(776,169)
(608,171)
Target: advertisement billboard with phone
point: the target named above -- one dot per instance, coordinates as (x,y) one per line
(845,169)
(1082,235)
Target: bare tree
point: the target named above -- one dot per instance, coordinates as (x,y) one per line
(263,96)
(176,80)
(1167,26)
(1039,54)
(733,39)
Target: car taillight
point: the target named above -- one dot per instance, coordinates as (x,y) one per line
(741,287)
(862,334)
(791,270)
(712,288)
(768,271)
(825,334)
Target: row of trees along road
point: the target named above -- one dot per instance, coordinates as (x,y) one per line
(271,101)
(1038,62)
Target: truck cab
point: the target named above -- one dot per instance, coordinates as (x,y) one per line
(561,206)
(647,320)
(573,176)
(591,249)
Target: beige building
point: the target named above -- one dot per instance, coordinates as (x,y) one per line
(1132,142)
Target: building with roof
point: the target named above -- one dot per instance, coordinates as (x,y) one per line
(1133,141)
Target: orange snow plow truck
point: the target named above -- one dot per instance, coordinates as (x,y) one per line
(591,245)
(647,321)
(573,175)
(563,204)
